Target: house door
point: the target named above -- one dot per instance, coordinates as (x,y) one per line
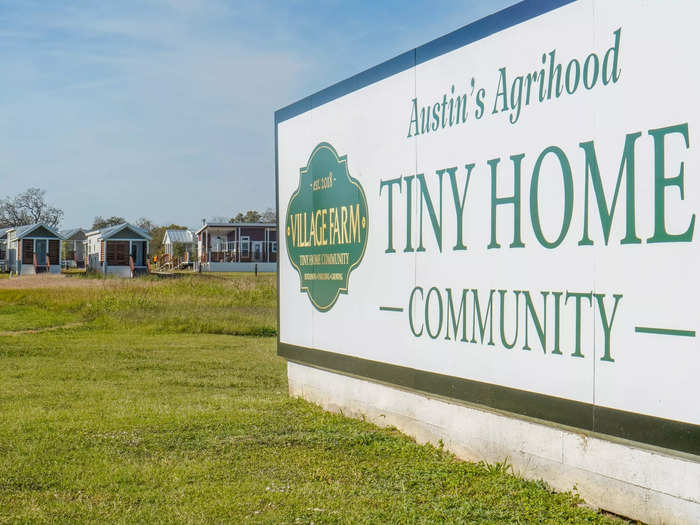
(137,253)
(257,250)
(41,250)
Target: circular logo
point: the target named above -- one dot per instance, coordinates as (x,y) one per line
(326,226)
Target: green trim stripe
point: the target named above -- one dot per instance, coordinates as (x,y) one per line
(666,433)
(664,331)
(390,309)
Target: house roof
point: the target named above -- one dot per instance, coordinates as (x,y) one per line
(184,236)
(3,232)
(68,234)
(236,225)
(24,231)
(111,231)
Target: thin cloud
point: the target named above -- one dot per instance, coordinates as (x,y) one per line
(164,108)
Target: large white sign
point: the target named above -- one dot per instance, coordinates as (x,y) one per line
(509,219)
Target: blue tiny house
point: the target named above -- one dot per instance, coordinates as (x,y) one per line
(33,249)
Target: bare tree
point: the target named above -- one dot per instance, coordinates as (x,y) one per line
(29,207)
(269,216)
(146,224)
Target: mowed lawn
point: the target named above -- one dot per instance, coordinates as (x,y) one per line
(163,401)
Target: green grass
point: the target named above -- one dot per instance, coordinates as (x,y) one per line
(145,413)
(212,304)
(73,271)
(17,317)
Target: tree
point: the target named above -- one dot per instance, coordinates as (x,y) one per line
(100,222)
(29,207)
(146,224)
(269,216)
(250,216)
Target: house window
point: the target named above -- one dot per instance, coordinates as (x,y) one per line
(245,246)
(274,246)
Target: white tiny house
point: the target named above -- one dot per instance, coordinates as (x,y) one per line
(118,250)
(179,240)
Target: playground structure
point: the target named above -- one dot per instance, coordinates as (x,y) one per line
(171,263)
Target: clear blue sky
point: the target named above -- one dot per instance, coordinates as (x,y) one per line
(164,108)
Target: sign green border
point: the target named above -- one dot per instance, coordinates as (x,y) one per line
(650,430)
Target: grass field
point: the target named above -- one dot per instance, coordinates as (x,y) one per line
(163,401)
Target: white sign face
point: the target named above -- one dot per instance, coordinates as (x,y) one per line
(513,219)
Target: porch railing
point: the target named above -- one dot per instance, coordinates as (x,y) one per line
(240,251)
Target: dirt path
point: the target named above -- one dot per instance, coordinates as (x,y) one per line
(27,282)
(39,330)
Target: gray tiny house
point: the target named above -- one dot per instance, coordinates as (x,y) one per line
(32,249)
(74,247)
(118,250)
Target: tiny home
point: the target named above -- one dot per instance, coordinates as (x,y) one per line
(32,249)
(237,247)
(4,263)
(74,247)
(180,243)
(118,250)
